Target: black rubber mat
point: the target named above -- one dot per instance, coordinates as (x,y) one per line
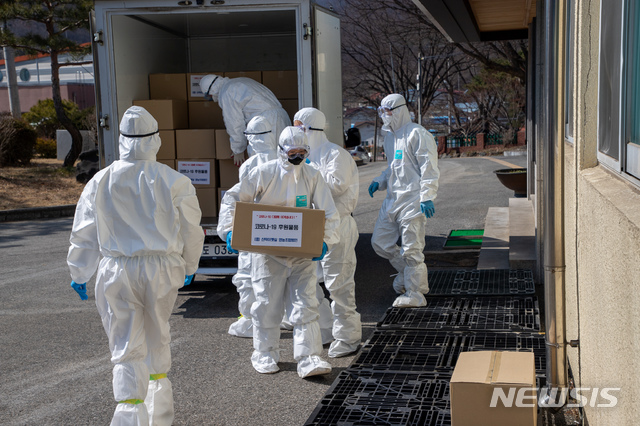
(366,398)
(481,282)
(496,313)
(438,351)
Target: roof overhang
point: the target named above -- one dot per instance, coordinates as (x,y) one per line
(465,21)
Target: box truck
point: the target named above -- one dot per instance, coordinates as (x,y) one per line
(291,46)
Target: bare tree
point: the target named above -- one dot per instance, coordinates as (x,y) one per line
(382,48)
(53,20)
(509,57)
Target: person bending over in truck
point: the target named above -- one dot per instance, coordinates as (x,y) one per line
(277,280)
(241,99)
(138,223)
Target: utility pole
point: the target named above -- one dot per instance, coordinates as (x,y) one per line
(419,88)
(12,79)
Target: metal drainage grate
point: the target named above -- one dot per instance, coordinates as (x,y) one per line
(438,351)
(481,282)
(503,313)
(365,398)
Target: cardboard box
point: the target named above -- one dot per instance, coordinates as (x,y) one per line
(196,143)
(201,171)
(207,198)
(278,230)
(223,145)
(229,173)
(169,113)
(291,106)
(475,378)
(205,115)
(167,149)
(283,84)
(254,75)
(170,163)
(168,86)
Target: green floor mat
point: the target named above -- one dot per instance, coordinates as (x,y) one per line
(464,238)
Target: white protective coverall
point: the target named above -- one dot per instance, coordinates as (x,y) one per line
(241,99)
(138,222)
(411,177)
(262,143)
(339,264)
(279,280)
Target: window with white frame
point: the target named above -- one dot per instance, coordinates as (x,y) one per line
(619,86)
(632,102)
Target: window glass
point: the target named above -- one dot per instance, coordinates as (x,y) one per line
(609,85)
(633,73)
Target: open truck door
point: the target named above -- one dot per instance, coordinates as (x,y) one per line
(328,71)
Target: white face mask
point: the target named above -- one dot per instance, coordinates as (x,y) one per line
(386,120)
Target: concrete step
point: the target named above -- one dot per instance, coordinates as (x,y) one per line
(522,234)
(494,252)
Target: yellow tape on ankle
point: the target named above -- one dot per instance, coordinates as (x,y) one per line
(131,401)
(157,376)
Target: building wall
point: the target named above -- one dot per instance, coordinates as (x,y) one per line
(81,94)
(602,230)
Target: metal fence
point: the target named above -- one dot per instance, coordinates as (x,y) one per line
(460,141)
(493,139)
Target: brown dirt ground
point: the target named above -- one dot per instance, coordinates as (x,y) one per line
(43,183)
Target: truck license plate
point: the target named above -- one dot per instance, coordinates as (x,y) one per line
(219,250)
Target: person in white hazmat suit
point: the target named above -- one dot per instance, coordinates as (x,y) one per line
(262,143)
(411,181)
(339,265)
(241,99)
(277,280)
(138,223)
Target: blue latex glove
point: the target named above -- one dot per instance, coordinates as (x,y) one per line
(427,208)
(229,249)
(307,161)
(373,188)
(188,279)
(81,289)
(324,251)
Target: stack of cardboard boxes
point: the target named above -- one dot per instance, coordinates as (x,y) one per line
(194,139)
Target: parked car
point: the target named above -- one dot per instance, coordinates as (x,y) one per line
(360,155)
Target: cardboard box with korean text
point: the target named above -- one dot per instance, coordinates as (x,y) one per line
(493,388)
(202,172)
(168,86)
(196,143)
(169,113)
(283,84)
(167,149)
(205,115)
(208,200)
(278,230)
